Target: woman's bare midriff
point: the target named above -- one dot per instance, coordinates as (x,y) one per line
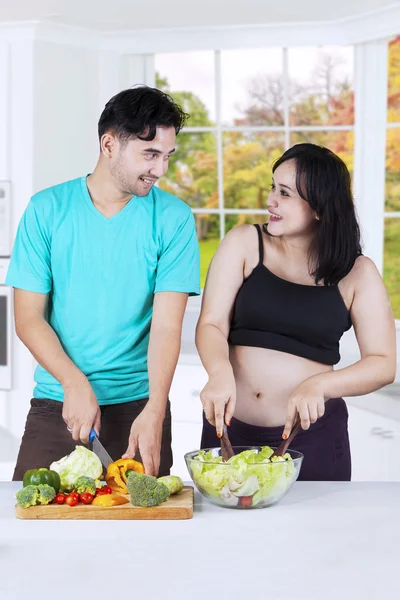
(264,381)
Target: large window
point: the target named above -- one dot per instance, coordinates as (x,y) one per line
(391,270)
(247,107)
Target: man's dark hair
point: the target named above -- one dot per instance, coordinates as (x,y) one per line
(138,111)
(323,180)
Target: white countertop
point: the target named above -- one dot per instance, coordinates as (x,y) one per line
(324,541)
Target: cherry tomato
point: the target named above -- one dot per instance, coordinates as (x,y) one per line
(86,498)
(245,501)
(103,491)
(72,499)
(60,498)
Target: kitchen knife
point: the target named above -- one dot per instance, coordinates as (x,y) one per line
(99,449)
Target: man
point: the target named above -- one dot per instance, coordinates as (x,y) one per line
(102,267)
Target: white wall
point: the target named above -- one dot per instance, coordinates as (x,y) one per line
(51,96)
(16,107)
(49,113)
(65,113)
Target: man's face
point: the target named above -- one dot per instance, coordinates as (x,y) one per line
(136,165)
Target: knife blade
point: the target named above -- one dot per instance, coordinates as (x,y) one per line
(99,450)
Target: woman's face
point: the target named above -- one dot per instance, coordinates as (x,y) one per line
(291,216)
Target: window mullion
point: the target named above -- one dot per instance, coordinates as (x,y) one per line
(370,144)
(220,154)
(286,98)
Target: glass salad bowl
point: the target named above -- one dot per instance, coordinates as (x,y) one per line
(248,480)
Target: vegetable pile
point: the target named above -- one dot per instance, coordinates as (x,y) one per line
(80,462)
(246,479)
(146,490)
(77,478)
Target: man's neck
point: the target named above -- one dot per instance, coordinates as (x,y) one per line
(106,197)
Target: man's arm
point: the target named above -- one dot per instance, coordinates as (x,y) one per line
(163,354)
(80,410)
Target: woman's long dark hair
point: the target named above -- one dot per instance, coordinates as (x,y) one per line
(323,180)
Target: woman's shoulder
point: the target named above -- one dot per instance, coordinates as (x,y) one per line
(363,267)
(244,236)
(242,231)
(364,272)
(240,244)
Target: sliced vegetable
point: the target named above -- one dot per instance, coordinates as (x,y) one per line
(146,490)
(33,495)
(247,479)
(117,473)
(85,485)
(46,494)
(81,462)
(245,501)
(27,496)
(103,491)
(173,483)
(37,476)
(110,500)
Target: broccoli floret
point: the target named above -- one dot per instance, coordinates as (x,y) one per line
(146,490)
(27,496)
(85,485)
(46,493)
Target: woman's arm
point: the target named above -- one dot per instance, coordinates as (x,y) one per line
(374,327)
(224,278)
(375,330)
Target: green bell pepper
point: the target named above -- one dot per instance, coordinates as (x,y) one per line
(38,476)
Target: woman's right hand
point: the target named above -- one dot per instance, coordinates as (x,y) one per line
(219,398)
(81,411)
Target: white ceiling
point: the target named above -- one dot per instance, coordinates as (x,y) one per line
(125,15)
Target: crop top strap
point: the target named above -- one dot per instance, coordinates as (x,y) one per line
(260,243)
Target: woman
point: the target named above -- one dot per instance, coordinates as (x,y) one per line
(277,301)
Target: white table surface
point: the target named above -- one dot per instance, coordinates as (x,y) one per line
(323,541)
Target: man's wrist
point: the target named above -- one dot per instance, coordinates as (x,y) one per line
(73,379)
(156,407)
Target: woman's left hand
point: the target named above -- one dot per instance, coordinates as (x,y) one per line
(308,400)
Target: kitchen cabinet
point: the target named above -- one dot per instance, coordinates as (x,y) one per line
(186,386)
(185,437)
(186,408)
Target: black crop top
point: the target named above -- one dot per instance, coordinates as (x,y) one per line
(304,320)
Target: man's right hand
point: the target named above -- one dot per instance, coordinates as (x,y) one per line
(81,410)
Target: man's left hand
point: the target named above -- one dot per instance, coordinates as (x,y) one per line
(145,439)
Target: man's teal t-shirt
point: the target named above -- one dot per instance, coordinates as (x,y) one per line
(101,275)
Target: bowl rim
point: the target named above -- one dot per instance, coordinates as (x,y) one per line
(189,455)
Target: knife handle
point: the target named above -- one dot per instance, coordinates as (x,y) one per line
(92,435)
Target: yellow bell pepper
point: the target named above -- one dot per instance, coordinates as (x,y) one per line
(109,500)
(116,473)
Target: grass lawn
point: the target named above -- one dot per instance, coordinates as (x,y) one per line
(207,251)
(391,271)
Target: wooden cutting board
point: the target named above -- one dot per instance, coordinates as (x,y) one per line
(179,506)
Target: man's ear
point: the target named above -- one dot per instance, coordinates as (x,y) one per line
(108,144)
